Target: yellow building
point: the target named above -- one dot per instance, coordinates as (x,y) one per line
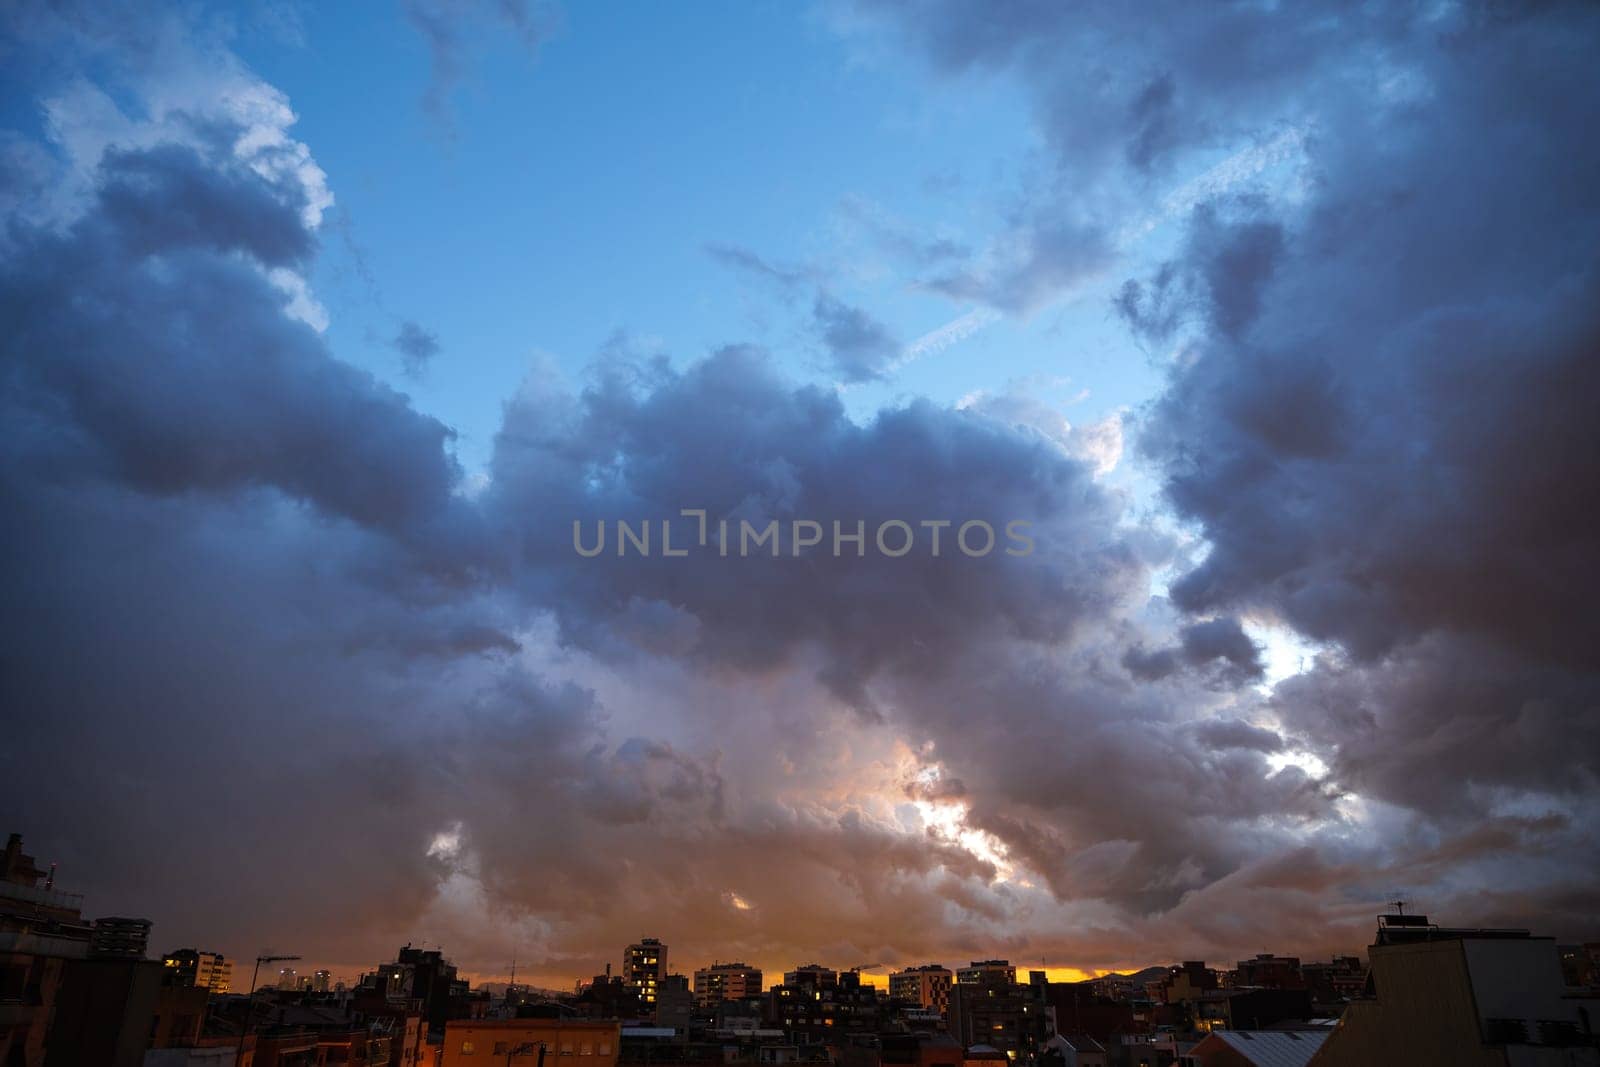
(564,1042)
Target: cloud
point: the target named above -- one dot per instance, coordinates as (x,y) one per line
(1033,264)
(254,610)
(1383,316)
(784,452)
(1378,428)
(251,595)
(450,28)
(417,347)
(860,348)
(743,259)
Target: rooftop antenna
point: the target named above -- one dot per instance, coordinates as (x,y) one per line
(512,985)
(1399,906)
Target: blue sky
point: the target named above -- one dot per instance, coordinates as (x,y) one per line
(568,193)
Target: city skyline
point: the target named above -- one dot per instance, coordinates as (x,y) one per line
(1272,330)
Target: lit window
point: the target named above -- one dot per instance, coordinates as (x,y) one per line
(467,1049)
(586,1049)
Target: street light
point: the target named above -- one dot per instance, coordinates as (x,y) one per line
(250,1005)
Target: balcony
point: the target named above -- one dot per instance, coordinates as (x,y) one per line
(50,898)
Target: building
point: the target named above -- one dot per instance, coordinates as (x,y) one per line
(1082,1010)
(215,972)
(356,1046)
(1267,971)
(1334,983)
(402,1026)
(1457,996)
(41,932)
(181,966)
(105,1012)
(1248,1009)
(180,1014)
(815,1011)
(422,976)
(644,966)
(1185,982)
(607,996)
(321,981)
(1256,1048)
(726,981)
(206,970)
(1580,965)
(120,939)
(1073,1050)
(982,972)
(928,987)
(984,1056)
(224,1055)
(814,975)
(675,1004)
(73,992)
(920,1050)
(563,1042)
(1016,1019)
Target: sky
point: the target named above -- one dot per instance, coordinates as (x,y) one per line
(1277,325)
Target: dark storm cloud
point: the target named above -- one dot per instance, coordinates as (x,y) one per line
(241,606)
(1230,733)
(860,347)
(1060,733)
(1100,787)
(637,446)
(1380,419)
(256,616)
(1218,646)
(168,199)
(228,393)
(1386,433)
(1451,727)
(1229,259)
(1222,640)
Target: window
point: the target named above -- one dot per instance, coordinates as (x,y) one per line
(501,1048)
(566,1048)
(605,1048)
(586,1049)
(467,1049)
